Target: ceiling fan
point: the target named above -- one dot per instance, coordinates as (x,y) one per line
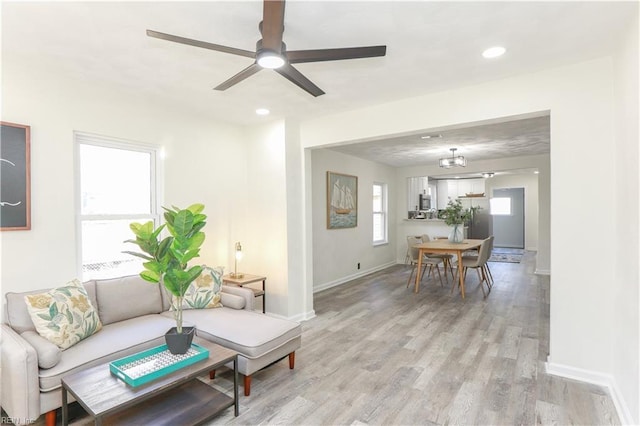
(271,51)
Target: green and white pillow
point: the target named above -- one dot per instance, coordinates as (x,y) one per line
(63,315)
(204,291)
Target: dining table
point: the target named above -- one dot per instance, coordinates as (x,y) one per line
(445,246)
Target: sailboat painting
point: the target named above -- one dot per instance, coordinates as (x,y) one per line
(342,201)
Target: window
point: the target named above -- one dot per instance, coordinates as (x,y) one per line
(117,185)
(500,206)
(379,213)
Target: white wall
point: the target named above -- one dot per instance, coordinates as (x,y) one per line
(626,281)
(336,252)
(580,100)
(300,300)
(272,227)
(55,107)
(239,174)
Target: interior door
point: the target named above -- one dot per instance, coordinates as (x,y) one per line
(507,212)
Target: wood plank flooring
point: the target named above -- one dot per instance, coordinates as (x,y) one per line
(379,354)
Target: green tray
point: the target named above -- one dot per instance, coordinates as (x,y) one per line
(143,367)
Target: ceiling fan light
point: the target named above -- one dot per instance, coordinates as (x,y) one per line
(269,59)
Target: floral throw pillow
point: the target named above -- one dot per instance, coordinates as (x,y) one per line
(204,292)
(63,315)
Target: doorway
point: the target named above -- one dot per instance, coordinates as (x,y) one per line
(507,212)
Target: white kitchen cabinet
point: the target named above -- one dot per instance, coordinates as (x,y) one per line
(456,188)
(477,186)
(443,194)
(452,186)
(464,187)
(470,186)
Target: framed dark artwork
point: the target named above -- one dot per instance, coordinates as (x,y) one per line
(342,201)
(15,177)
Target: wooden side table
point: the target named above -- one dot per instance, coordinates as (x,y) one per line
(248,279)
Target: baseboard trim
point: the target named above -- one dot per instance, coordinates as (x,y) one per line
(297,318)
(596,378)
(348,278)
(304,316)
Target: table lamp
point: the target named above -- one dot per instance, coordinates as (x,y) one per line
(238,257)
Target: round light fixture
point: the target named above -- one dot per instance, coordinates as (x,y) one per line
(494,52)
(270,59)
(262,111)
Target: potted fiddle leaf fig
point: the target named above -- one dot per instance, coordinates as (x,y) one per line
(167,259)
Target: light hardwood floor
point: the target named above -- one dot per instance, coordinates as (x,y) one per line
(379,354)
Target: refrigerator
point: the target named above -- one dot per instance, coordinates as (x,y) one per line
(480,225)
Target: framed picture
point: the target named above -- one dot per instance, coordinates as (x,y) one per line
(342,201)
(15,177)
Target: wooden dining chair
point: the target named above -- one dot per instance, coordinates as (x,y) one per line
(478,263)
(426,262)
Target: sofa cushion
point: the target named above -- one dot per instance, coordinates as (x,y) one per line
(250,333)
(63,315)
(49,354)
(204,291)
(115,341)
(127,297)
(17,314)
(232,301)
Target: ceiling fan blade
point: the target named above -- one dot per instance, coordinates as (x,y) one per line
(245,73)
(272,25)
(203,44)
(296,77)
(319,55)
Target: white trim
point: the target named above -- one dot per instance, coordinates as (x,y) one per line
(343,280)
(596,378)
(542,272)
(384,213)
(297,318)
(156,184)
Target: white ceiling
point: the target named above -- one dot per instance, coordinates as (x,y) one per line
(516,137)
(431,46)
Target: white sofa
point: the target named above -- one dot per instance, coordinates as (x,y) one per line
(135,316)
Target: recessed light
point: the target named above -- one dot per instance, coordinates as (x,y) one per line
(262,111)
(430,136)
(494,52)
(488,175)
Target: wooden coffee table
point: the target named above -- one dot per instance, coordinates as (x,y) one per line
(177,398)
